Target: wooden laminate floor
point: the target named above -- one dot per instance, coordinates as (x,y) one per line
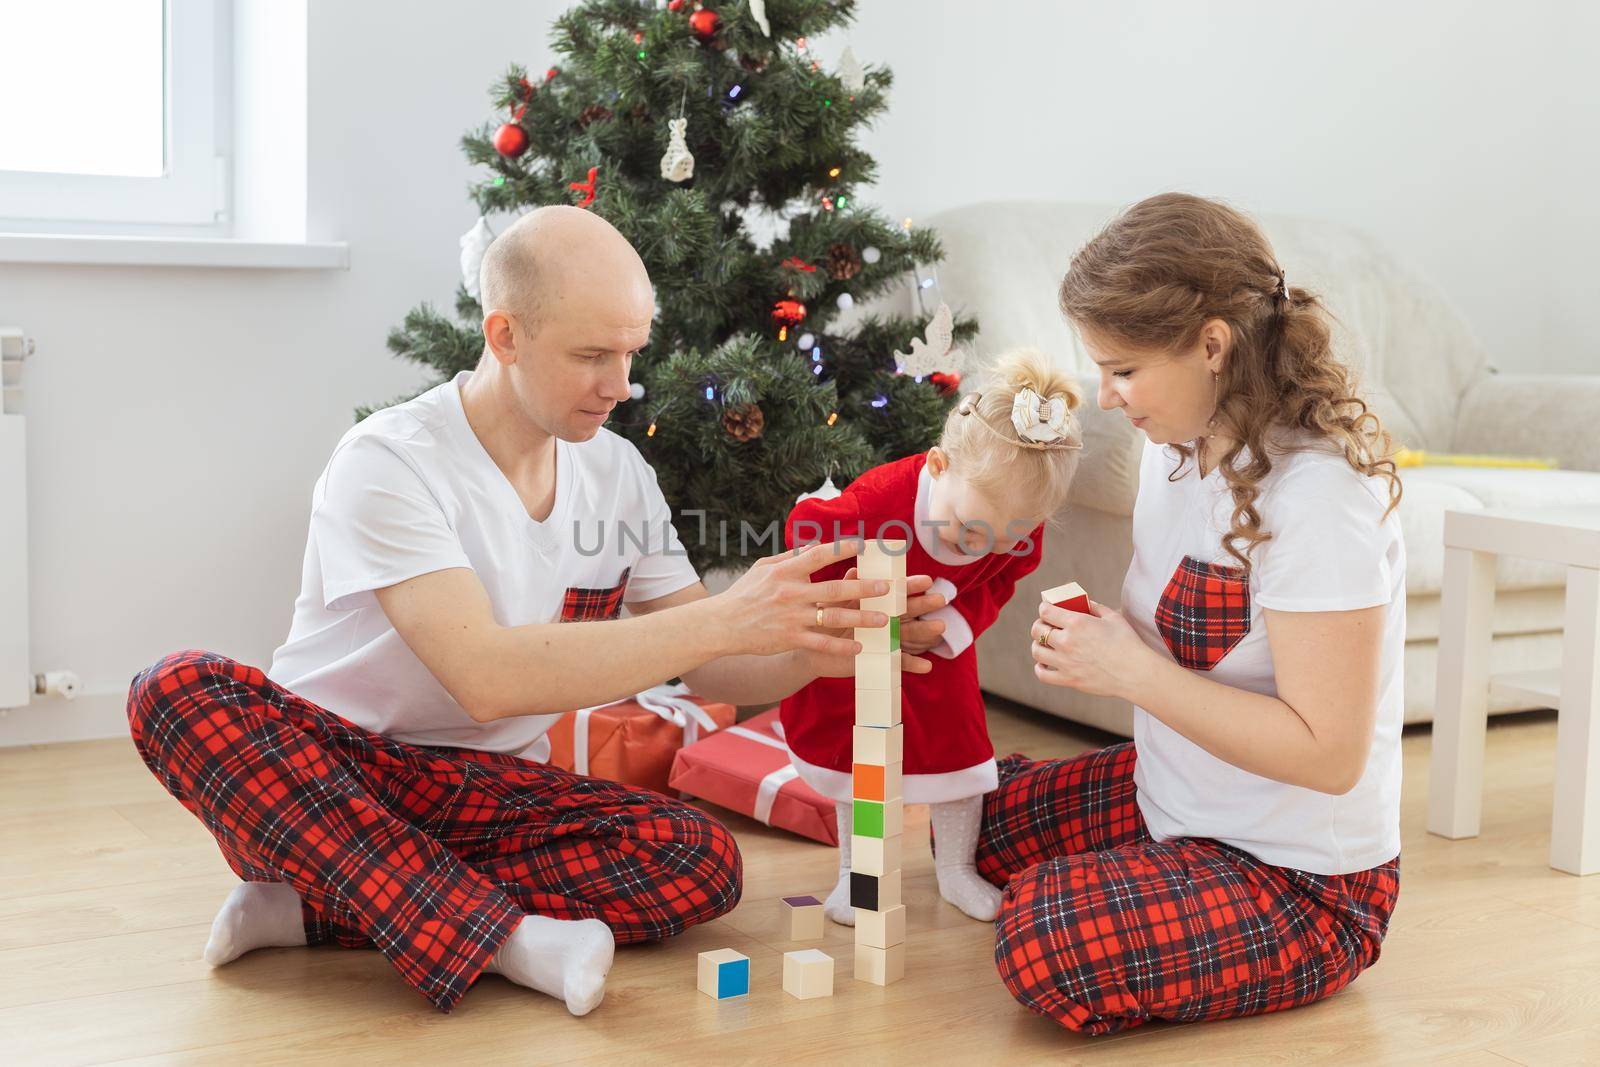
(108,887)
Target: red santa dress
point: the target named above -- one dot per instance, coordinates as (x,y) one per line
(948,755)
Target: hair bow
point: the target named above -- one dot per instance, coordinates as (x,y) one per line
(1038,419)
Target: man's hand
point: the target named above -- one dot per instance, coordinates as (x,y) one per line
(832,666)
(773,607)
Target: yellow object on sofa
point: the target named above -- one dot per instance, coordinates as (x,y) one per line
(1406,457)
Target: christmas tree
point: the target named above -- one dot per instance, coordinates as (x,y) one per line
(686,126)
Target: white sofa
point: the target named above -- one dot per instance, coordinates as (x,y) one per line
(1424,373)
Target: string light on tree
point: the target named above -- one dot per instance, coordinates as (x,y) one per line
(871,255)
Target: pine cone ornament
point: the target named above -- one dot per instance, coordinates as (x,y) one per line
(844,262)
(639,113)
(593,113)
(754,64)
(744,422)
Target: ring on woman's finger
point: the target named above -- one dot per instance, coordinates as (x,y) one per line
(819,618)
(1044,638)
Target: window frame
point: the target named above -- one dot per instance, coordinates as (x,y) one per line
(193,191)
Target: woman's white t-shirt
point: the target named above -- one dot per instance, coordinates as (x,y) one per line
(1332,549)
(411,490)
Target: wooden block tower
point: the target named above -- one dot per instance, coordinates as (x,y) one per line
(878,746)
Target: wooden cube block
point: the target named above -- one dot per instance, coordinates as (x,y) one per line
(881,929)
(874,855)
(879,707)
(802,917)
(892,603)
(878,639)
(880,966)
(1070,596)
(724,973)
(874,892)
(875,781)
(879,818)
(808,974)
(882,745)
(882,560)
(878,670)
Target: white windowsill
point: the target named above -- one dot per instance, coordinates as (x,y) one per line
(171,252)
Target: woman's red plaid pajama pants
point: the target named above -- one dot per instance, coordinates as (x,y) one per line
(1102,928)
(431,855)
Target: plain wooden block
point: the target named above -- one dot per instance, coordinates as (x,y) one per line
(874,855)
(880,966)
(892,603)
(882,560)
(1070,596)
(802,917)
(881,929)
(875,781)
(808,974)
(878,670)
(875,892)
(724,973)
(882,745)
(879,707)
(878,818)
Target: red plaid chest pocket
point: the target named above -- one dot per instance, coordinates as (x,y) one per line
(592,605)
(1204,612)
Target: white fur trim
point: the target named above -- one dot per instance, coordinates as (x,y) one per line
(973,781)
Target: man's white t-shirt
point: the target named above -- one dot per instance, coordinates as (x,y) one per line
(411,490)
(1331,549)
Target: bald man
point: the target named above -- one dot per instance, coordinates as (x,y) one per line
(383,784)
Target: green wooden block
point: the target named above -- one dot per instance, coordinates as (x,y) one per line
(894,633)
(868,818)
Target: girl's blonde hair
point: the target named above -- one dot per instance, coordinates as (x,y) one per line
(986,451)
(1168,265)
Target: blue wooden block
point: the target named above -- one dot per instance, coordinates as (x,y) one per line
(724,973)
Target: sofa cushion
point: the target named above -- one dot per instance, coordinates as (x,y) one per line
(1429,491)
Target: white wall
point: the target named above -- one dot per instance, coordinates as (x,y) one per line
(1465,133)
(177,417)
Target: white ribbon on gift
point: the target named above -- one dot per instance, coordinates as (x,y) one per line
(670,702)
(767,791)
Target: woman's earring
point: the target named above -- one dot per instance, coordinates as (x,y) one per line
(1216,396)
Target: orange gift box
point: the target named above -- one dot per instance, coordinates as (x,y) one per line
(746,769)
(634,741)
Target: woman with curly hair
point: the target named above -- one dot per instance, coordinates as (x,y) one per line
(1241,854)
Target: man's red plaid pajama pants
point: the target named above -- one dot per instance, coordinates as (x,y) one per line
(431,855)
(1102,929)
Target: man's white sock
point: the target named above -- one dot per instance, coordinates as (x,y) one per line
(255,915)
(565,958)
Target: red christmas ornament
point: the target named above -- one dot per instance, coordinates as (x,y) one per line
(799,264)
(511,140)
(946,383)
(788,313)
(705,23)
(525,88)
(550,74)
(676,5)
(586,187)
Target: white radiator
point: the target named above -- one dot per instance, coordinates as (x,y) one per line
(16,678)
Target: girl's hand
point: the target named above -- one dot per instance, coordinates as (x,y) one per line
(919,635)
(1099,655)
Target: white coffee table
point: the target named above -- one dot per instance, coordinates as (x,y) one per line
(1472,540)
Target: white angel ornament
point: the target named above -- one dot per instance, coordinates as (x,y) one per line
(935,352)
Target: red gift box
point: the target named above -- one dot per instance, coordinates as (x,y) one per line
(746,768)
(634,741)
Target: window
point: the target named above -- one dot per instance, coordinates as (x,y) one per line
(110,114)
